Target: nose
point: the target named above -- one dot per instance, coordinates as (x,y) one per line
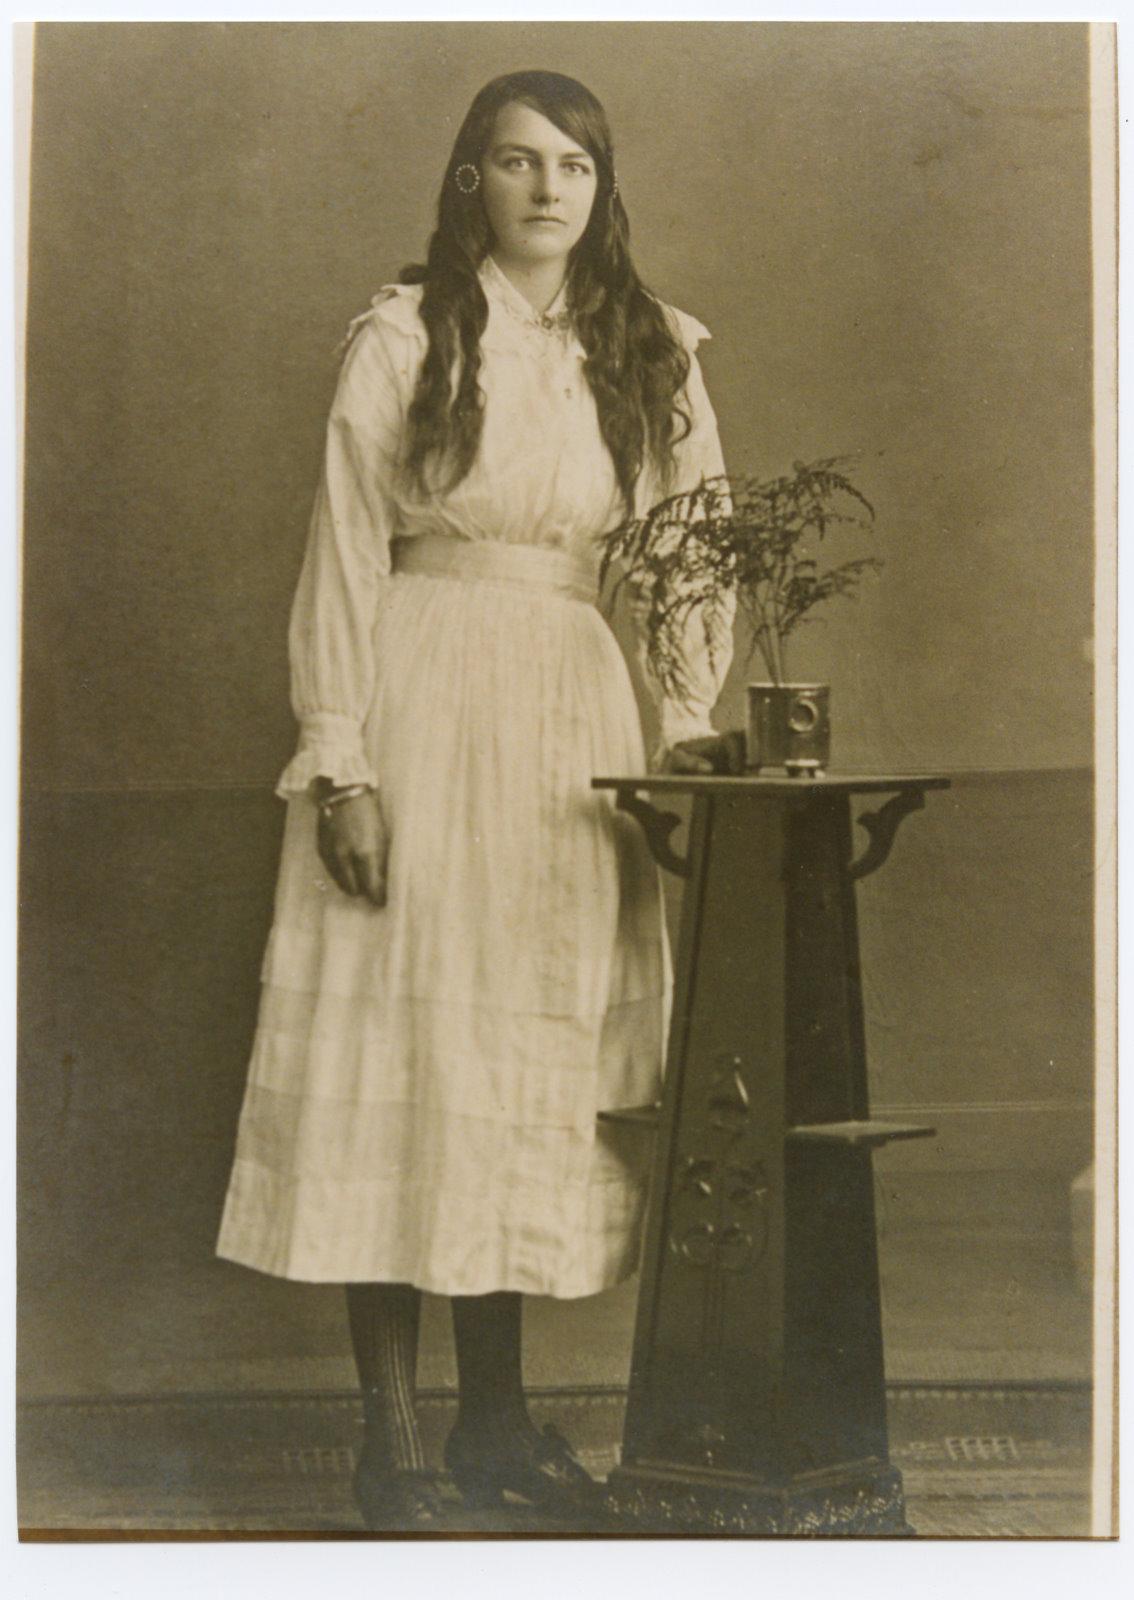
(546,191)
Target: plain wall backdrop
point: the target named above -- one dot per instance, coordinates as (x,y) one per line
(884,226)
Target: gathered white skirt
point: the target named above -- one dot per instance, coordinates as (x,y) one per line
(425,1079)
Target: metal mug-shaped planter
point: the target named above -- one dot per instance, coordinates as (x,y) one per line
(789,726)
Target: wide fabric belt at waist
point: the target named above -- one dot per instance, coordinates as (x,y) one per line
(435,555)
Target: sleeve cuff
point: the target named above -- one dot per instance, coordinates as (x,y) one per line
(329,747)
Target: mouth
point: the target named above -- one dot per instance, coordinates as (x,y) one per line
(557,221)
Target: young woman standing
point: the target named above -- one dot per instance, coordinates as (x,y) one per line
(468,960)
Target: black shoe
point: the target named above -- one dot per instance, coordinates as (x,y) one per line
(396,1501)
(541,1470)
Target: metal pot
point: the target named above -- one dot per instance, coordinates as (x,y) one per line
(789,726)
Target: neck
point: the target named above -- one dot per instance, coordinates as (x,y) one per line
(539,281)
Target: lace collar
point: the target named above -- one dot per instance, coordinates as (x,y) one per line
(502,292)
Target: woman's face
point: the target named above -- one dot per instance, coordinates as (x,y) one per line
(538,187)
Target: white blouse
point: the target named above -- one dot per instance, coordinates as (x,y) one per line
(542,476)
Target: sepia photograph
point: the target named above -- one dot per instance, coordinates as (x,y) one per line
(566,824)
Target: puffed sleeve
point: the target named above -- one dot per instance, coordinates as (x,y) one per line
(347,559)
(706,660)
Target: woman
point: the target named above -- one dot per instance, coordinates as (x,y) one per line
(467,961)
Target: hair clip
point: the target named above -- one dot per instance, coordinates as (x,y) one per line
(467,184)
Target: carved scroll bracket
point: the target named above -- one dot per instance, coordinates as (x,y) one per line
(658,826)
(882,826)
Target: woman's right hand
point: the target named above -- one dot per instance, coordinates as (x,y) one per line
(353,845)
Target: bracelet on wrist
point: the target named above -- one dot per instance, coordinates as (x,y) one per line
(328,803)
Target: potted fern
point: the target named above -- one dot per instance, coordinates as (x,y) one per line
(757,538)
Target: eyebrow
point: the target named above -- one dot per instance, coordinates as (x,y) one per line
(529,150)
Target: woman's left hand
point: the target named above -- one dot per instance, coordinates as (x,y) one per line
(720,754)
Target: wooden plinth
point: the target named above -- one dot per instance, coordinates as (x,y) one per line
(756,1401)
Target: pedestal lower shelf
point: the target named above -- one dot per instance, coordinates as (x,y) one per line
(858,1135)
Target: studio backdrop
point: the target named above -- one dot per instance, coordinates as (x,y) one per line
(886,230)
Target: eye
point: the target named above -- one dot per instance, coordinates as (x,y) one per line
(579,167)
(513,163)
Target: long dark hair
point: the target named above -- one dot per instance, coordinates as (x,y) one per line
(635,365)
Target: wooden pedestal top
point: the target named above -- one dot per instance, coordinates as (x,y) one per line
(759,784)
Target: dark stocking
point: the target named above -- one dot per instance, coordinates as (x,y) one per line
(384,1320)
(491,1405)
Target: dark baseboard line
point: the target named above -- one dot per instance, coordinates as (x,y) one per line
(895,1389)
(35,790)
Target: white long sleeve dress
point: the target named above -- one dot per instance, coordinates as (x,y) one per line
(424,1083)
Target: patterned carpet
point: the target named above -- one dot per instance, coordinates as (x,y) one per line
(1010,1461)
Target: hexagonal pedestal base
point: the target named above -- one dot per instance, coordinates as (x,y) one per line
(864,1500)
